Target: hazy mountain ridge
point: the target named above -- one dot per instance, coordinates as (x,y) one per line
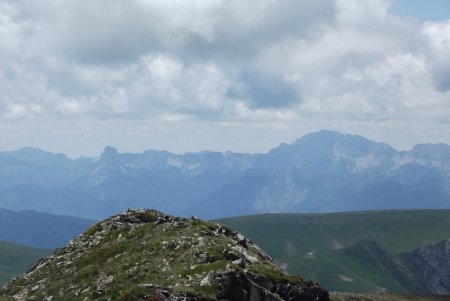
(323,171)
(40,230)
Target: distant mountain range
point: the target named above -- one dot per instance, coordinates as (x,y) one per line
(324,171)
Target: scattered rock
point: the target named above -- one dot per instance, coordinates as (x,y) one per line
(229,255)
(103,282)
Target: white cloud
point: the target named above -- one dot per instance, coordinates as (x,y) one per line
(69,106)
(437,34)
(9,31)
(290,65)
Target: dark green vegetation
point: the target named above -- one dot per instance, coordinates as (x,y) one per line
(41,230)
(15,259)
(373,251)
(147,255)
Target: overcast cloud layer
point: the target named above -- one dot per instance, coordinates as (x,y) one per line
(224,75)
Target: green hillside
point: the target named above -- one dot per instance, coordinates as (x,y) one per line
(16,259)
(350,251)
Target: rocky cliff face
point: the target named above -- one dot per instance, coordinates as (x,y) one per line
(425,271)
(432,265)
(148,255)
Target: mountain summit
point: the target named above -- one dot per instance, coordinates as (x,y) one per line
(148,255)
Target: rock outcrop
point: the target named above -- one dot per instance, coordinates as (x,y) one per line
(148,255)
(431,265)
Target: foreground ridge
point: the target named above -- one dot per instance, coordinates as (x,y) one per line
(148,255)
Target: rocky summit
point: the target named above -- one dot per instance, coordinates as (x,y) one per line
(148,255)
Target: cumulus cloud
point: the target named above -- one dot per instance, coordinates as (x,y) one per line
(116,31)
(254,64)
(262,89)
(438,37)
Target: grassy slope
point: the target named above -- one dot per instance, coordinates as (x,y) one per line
(317,245)
(16,259)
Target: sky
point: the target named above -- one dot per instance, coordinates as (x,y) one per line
(244,76)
